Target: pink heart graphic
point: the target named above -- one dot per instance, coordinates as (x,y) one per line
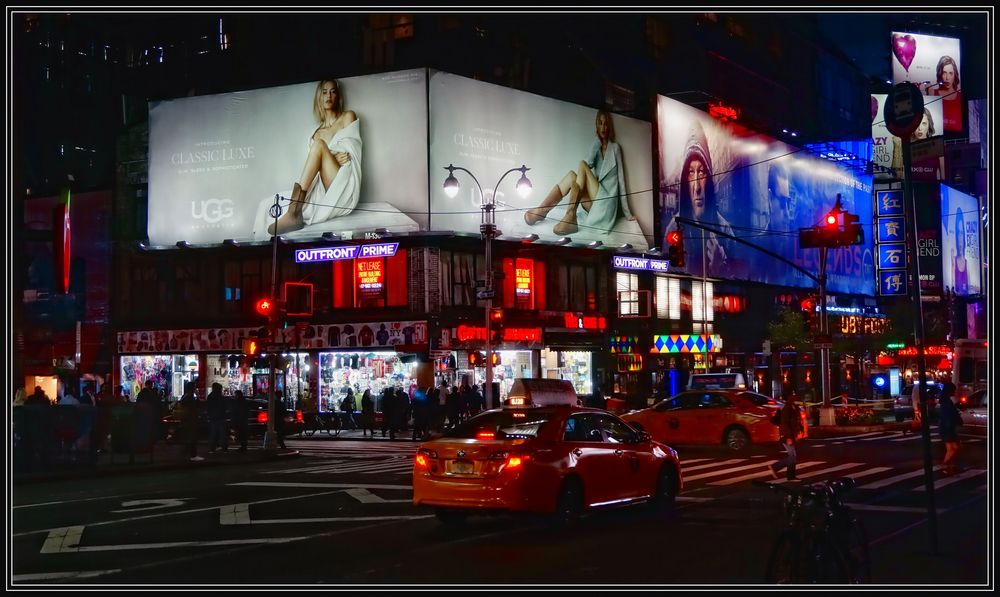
(904,47)
(874,107)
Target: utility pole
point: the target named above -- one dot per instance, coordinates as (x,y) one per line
(270,443)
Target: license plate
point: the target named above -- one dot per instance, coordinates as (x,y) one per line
(461,467)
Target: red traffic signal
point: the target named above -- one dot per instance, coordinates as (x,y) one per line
(251,347)
(831,219)
(265,307)
(496,316)
(675,248)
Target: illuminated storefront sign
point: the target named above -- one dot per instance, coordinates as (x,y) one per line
(654,265)
(911,351)
(523,283)
(581,322)
(347,252)
(369,275)
(860,325)
(468,333)
(629,362)
(687,343)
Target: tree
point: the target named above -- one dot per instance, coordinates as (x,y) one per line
(790,330)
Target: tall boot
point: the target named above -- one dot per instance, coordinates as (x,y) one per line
(291,220)
(533,216)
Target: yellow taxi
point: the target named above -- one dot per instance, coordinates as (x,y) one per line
(542,453)
(733,418)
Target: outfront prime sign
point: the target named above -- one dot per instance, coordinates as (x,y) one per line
(346,252)
(653,265)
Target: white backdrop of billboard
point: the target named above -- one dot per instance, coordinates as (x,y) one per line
(960,246)
(489,129)
(915,59)
(887,150)
(216,161)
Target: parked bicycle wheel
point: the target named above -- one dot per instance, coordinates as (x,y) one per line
(824,562)
(784,563)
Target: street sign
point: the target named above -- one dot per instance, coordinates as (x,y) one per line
(486,294)
(480,283)
(821,345)
(927,148)
(822,341)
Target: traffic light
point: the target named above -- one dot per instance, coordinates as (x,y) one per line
(675,247)
(476,359)
(265,307)
(495,359)
(251,347)
(496,325)
(853,233)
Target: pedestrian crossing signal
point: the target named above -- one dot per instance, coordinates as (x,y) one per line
(251,347)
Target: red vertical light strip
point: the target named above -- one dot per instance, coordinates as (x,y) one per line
(508,283)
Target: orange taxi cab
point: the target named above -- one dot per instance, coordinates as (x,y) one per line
(733,418)
(542,453)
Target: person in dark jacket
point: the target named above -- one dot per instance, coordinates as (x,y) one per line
(348,406)
(239,412)
(367,414)
(949,420)
(146,417)
(389,413)
(279,419)
(189,408)
(422,409)
(218,432)
(791,428)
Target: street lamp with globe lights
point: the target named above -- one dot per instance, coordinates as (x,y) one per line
(489,231)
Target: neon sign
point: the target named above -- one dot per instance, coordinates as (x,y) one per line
(696,343)
(369,274)
(345,252)
(654,265)
(524,283)
(468,333)
(579,322)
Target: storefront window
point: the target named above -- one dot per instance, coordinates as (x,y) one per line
(514,364)
(226,370)
(569,364)
(168,372)
(359,371)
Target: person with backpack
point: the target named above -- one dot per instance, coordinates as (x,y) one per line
(790,428)
(367,414)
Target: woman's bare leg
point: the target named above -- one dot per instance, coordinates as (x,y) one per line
(533,216)
(319,161)
(588,184)
(568,224)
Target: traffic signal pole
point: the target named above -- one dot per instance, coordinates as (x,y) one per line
(826,414)
(270,444)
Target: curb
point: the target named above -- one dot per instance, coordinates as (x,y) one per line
(819,432)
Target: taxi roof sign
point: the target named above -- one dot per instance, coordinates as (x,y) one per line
(541,392)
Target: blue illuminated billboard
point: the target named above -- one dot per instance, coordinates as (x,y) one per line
(960,254)
(743,184)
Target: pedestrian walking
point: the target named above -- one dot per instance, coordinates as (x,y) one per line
(401,421)
(347,406)
(389,413)
(102,426)
(145,418)
(279,419)
(948,422)
(189,408)
(240,410)
(421,413)
(791,428)
(367,414)
(218,431)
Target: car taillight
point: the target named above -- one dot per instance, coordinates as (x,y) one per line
(485,435)
(510,460)
(421,460)
(424,456)
(514,461)
(964,399)
(298,416)
(262,417)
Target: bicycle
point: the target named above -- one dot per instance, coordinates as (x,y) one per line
(823,541)
(328,423)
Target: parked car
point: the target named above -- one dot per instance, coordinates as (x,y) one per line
(542,454)
(975,410)
(256,420)
(734,418)
(933,391)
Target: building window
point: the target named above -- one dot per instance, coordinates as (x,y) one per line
(668,298)
(458,278)
(627,286)
(702,312)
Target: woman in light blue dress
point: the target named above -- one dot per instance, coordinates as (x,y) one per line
(595,189)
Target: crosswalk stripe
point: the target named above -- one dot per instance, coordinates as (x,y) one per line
(832,469)
(945,481)
(728,470)
(710,464)
(889,481)
(758,474)
(871,471)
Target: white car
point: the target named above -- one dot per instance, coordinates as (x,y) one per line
(975,411)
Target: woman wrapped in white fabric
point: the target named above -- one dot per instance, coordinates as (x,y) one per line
(330,183)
